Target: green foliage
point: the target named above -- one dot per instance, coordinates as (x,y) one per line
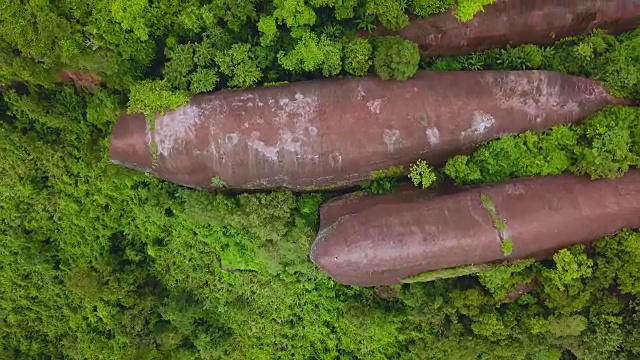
(466,9)
(383,181)
(396,58)
(612,60)
(293,13)
(312,53)
(500,279)
(357,56)
(154,96)
(239,64)
(203,80)
(524,57)
(268,30)
(421,174)
(217,182)
(604,146)
(391,13)
(620,256)
(506,246)
(498,223)
(430,7)
(100,262)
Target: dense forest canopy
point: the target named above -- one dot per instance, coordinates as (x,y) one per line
(101,262)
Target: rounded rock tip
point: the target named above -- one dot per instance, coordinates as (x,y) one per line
(130,143)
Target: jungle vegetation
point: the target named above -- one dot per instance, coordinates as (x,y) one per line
(101,262)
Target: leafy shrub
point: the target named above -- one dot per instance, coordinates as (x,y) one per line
(499,279)
(422,174)
(506,246)
(357,57)
(203,80)
(390,12)
(383,181)
(396,58)
(521,58)
(240,65)
(604,146)
(312,53)
(152,96)
(466,9)
(430,7)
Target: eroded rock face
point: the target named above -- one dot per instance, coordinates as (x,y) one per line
(516,22)
(333,133)
(393,237)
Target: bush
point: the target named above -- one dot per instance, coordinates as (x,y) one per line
(396,58)
(422,174)
(466,9)
(383,181)
(390,12)
(604,146)
(430,7)
(357,57)
(152,96)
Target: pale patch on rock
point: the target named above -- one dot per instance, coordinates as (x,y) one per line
(374,105)
(232,139)
(433,136)
(512,189)
(270,152)
(533,94)
(480,124)
(391,137)
(336,160)
(312,130)
(360,93)
(174,129)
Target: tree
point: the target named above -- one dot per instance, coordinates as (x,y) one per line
(422,174)
(293,13)
(312,53)
(390,12)
(240,65)
(203,80)
(466,9)
(396,58)
(152,96)
(430,7)
(357,56)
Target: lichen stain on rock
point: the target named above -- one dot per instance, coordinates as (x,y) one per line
(391,137)
(175,128)
(532,94)
(359,94)
(296,119)
(433,136)
(480,124)
(374,106)
(336,160)
(514,189)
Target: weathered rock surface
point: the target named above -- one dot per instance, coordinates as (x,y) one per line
(333,133)
(516,22)
(393,237)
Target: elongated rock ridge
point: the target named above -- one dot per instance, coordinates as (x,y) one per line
(370,241)
(516,22)
(333,133)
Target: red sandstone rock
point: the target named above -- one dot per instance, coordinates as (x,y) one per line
(516,22)
(333,133)
(389,240)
